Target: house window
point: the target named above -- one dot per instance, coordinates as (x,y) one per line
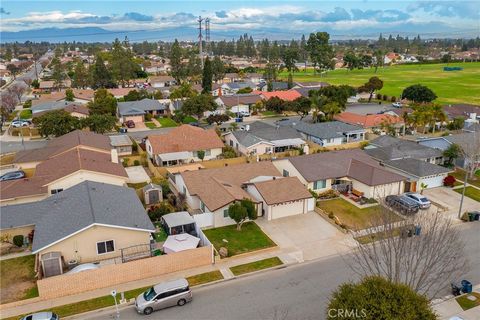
(320,184)
(207,153)
(105,247)
(231,143)
(55,191)
(225,213)
(285,173)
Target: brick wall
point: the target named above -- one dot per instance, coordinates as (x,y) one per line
(112,275)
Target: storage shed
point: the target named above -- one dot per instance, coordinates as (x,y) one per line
(152,193)
(179,222)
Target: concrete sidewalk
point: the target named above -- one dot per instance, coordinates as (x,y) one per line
(221,265)
(450,308)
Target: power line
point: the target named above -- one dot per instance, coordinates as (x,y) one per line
(200,39)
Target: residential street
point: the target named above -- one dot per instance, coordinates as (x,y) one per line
(296,292)
(14,146)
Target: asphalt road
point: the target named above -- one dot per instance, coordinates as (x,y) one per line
(14,146)
(296,292)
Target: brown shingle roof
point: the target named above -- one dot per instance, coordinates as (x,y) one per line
(219,187)
(185,138)
(247,99)
(23,188)
(282,190)
(354,163)
(66,142)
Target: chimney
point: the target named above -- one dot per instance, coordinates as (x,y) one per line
(114,155)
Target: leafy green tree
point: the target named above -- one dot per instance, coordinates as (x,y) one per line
(377,298)
(176,54)
(58,72)
(373,84)
(419,93)
(330,109)
(185,90)
(301,106)
(121,62)
(245,90)
(351,61)
(456,124)
(69,95)
(201,154)
(100,123)
(452,153)
(379,60)
(100,76)
(56,123)
(241,211)
(207,76)
(217,118)
(103,103)
(136,95)
(14,69)
(321,52)
(197,105)
(35,84)
(275,104)
(218,69)
(80,76)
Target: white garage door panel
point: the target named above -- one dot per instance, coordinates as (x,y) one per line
(433,182)
(134,118)
(286,210)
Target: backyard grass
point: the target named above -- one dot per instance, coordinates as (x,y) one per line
(470,192)
(160,236)
(189,119)
(26,114)
(204,278)
(17,279)
(466,304)
(167,122)
(250,238)
(355,218)
(459,174)
(255,266)
(151,125)
(450,87)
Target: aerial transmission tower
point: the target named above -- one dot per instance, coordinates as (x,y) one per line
(207,35)
(200,38)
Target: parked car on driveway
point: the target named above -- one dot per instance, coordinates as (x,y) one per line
(397,104)
(12,175)
(41,316)
(20,123)
(421,200)
(164,295)
(130,124)
(402,204)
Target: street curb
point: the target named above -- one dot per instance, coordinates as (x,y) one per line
(208,284)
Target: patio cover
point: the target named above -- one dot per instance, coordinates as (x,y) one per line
(174,156)
(176,219)
(180,242)
(288,142)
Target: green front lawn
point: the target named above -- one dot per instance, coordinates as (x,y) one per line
(151,125)
(466,304)
(204,278)
(160,236)
(450,87)
(26,114)
(167,122)
(250,238)
(355,218)
(189,119)
(255,266)
(17,279)
(459,174)
(470,192)
(269,114)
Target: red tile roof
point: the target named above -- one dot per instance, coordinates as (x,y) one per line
(367,121)
(185,138)
(284,95)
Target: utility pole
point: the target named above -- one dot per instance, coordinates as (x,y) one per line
(200,39)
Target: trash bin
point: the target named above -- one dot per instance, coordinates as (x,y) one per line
(471,216)
(477,216)
(466,286)
(418,230)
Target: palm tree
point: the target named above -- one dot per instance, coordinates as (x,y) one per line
(438,115)
(330,109)
(317,100)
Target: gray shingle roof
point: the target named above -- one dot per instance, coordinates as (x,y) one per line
(139,107)
(389,148)
(326,130)
(75,209)
(120,140)
(417,167)
(260,131)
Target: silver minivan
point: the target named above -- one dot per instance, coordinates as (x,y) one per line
(164,295)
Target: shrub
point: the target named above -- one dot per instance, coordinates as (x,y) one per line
(27,104)
(125,162)
(385,97)
(331,215)
(329,194)
(18,240)
(163,208)
(363,144)
(134,147)
(313,193)
(449,181)
(379,96)
(136,162)
(393,99)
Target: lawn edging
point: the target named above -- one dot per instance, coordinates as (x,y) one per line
(256,266)
(331,221)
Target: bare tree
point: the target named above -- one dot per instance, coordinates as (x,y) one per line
(8,100)
(470,150)
(18,88)
(427,262)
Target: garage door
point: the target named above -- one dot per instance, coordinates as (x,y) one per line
(433,182)
(134,118)
(286,210)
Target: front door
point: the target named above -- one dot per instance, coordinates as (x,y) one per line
(407,187)
(414,187)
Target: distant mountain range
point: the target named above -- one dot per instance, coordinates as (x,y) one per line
(95,34)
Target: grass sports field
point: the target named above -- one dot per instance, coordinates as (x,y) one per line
(450,86)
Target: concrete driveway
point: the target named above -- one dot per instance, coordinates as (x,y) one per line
(308,234)
(450,200)
(137,174)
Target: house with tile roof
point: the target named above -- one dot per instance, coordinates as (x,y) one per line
(258,138)
(89,222)
(375,123)
(209,192)
(344,171)
(183,144)
(289,95)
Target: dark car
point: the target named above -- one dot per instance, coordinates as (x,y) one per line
(402,204)
(13,175)
(130,124)
(123,130)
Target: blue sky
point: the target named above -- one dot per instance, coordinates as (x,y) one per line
(340,18)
